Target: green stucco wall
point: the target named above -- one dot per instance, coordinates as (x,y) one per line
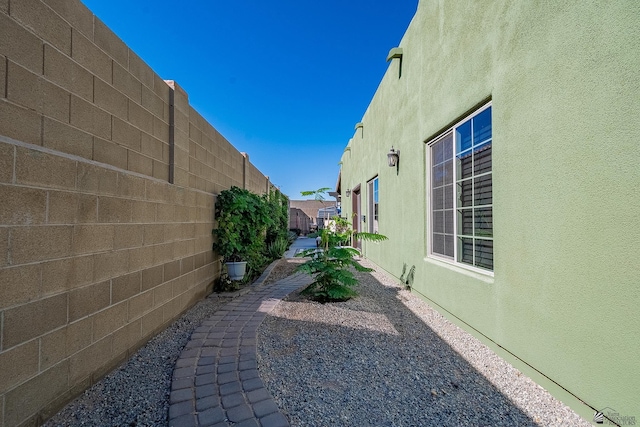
(564,82)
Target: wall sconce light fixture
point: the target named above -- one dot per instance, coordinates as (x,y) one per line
(393,158)
(348,192)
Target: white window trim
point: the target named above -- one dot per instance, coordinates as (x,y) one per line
(430,254)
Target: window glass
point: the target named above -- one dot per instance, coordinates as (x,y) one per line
(483,218)
(438,222)
(448,151)
(448,223)
(465,247)
(449,247)
(464,165)
(461,203)
(439,175)
(482,127)
(372,187)
(437,198)
(442,221)
(465,221)
(463,137)
(482,159)
(482,190)
(465,192)
(484,254)
(438,154)
(437,241)
(448,196)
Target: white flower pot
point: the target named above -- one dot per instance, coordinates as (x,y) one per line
(236,270)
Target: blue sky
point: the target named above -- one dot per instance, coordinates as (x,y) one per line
(284,81)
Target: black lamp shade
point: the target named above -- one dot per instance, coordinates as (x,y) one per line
(392,157)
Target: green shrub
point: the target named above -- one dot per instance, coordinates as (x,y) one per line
(331,264)
(292,236)
(225,284)
(248,224)
(242,222)
(276,249)
(277,204)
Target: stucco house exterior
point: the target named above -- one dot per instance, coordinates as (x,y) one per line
(516,192)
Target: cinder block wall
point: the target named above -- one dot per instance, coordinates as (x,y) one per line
(107,186)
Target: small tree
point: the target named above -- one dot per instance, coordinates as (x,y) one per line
(317,194)
(331,263)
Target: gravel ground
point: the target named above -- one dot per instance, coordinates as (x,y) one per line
(137,392)
(284,268)
(386,358)
(382,359)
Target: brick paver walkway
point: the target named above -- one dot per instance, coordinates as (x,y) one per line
(216,381)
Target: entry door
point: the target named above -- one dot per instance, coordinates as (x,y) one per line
(357,215)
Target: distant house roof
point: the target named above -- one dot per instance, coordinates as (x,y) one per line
(310,207)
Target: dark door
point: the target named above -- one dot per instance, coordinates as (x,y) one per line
(356,201)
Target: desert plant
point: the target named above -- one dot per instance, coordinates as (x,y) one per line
(276,249)
(292,236)
(411,277)
(331,264)
(408,281)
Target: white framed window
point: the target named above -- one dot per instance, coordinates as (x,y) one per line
(372,189)
(461,196)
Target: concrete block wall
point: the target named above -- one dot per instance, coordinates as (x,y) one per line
(214,164)
(255,181)
(108,180)
(75,87)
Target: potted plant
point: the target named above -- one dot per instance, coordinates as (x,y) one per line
(242,219)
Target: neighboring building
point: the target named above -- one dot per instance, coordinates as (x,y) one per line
(516,193)
(304,214)
(298,220)
(326,214)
